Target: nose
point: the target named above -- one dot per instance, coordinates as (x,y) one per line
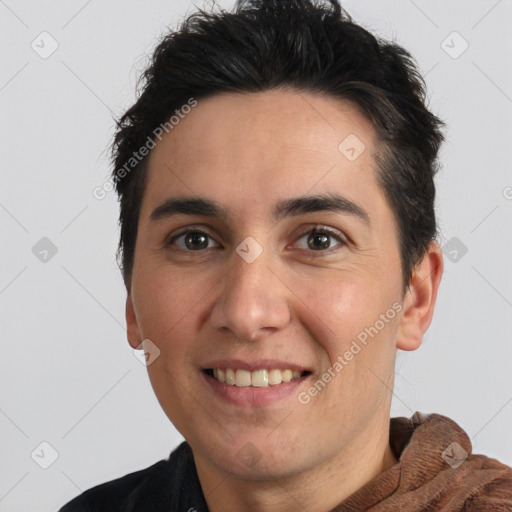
(252,301)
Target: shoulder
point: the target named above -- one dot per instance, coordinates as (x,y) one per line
(147,489)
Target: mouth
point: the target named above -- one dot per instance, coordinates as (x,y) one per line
(262,378)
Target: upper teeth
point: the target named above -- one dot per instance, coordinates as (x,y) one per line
(258,378)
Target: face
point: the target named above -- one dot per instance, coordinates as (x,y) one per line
(240,274)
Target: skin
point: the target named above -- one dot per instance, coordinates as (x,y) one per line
(295,303)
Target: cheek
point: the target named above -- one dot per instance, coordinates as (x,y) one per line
(169,308)
(346,310)
(167,304)
(360,347)
(340,303)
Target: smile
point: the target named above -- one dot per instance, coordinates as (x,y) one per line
(257,379)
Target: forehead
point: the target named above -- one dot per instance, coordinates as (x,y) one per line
(252,149)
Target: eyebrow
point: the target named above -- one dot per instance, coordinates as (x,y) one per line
(286,208)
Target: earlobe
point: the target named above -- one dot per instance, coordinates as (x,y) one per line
(420,299)
(132,326)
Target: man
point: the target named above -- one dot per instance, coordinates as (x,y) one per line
(278,245)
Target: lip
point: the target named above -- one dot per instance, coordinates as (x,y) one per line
(260,364)
(252,397)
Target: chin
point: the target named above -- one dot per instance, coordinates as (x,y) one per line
(255,455)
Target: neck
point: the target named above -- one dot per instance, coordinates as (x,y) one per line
(319,489)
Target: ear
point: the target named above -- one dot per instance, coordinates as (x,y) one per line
(132,325)
(420,299)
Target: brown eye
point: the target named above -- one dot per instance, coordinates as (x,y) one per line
(196,241)
(193,241)
(320,239)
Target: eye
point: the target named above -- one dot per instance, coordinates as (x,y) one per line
(320,239)
(193,240)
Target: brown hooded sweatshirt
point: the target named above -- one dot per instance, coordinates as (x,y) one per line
(435,471)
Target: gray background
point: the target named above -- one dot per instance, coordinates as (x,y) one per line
(68,376)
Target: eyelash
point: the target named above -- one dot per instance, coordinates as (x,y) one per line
(318,229)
